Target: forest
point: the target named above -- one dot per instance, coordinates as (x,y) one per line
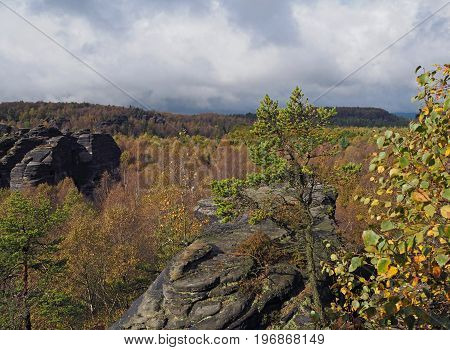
(72,262)
(136,121)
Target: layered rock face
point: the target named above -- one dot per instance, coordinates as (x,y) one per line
(5,129)
(45,155)
(215,284)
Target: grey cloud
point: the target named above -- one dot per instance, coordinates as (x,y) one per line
(115,15)
(104,14)
(267,20)
(200,55)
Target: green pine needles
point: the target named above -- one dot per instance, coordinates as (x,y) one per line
(284,142)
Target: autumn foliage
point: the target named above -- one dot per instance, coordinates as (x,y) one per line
(401,279)
(69,262)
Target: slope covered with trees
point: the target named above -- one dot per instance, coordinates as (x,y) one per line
(115,119)
(136,121)
(365,116)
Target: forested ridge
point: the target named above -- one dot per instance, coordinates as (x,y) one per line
(135,121)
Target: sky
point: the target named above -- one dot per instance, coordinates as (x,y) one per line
(219,55)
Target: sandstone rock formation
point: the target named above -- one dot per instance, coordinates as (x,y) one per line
(46,155)
(5,129)
(215,284)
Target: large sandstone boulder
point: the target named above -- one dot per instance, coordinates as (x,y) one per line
(45,155)
(14,150)
(217,282)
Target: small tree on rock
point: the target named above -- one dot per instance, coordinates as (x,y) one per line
(285,140)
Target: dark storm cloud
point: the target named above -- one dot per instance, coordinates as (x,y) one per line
(219,55)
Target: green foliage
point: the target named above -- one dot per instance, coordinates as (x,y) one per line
(402,278)
(343,142)
(283,143)
(58,310)
(24,223)
(27,249)
(225,194)
(351,168)
(288,136)
(370,238)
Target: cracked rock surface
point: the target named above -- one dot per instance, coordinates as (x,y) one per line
(208,285)
(46,155)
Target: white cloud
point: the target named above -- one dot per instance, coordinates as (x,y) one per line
(219,55)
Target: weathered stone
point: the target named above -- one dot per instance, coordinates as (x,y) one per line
(239,267)
(206,210)
(6,143)
(42,131)
(45,155)
(46,163)
(5,129)
(195,282)
(188,257)
(223,289)
(212,284)
(14,156)
(281,280)
(229,313)
(274,195)
(204,309)
(113,124)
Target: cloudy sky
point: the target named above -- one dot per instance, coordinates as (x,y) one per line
(219,55)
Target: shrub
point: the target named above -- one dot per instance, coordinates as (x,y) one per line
(401,279)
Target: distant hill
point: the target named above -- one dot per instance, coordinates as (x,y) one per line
(407,115)
(135,121)
(366,116)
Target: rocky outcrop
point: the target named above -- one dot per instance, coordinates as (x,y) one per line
(5,129)
(221,282)
(46,155)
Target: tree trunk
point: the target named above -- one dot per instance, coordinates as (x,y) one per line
(26,308)
(309,237)
(312,276)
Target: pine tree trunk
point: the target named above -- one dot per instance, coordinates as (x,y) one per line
(312,276)
(26,308)
(309,237)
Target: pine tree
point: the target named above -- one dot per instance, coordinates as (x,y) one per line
(285,142)
(26,248)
